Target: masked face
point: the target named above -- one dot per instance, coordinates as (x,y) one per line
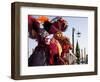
(48,39)
(58,35)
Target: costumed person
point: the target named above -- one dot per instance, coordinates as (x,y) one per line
(65,44)
(67,56)
(40,55)
(56,26)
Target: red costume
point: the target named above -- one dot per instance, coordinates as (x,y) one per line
(54,52)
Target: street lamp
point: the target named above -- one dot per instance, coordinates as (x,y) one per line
(78,34)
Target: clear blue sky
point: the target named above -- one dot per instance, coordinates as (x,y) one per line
(80,24)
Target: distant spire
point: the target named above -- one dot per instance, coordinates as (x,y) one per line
(77,53)
(77,46)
